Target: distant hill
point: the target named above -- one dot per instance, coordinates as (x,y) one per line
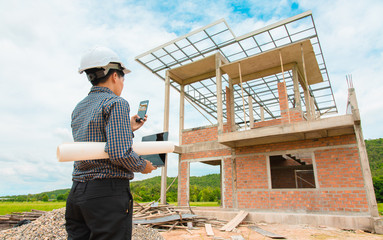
(203,189)
(375,156)
(144,190)
(61,194)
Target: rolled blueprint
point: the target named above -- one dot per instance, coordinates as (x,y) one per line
(77,151)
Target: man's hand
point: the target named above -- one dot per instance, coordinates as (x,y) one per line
(149,168)
(136,125)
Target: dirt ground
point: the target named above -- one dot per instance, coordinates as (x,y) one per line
(298,232)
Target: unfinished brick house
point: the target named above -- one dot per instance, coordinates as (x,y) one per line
(281,157)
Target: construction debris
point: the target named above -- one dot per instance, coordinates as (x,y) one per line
(235,221)
(51,225)
(266,233)
(209,229)
(165,218)
(148,219)
(18,219)
(237,237)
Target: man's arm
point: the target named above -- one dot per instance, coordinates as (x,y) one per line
(120,138)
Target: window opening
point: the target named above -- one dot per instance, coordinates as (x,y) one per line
(292,171)
(205,183)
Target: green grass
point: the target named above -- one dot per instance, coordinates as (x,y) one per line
(204,204)
(199,204)
(9,207)
(380,208)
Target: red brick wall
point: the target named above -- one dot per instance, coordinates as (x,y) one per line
(338,173)
(282,95)
(336,168)
(182,181)
(287,115)
(251,172)
(228,200)
(295,115)
(205,154)
(339,167)
(307,200)
(197,135)
(268,123)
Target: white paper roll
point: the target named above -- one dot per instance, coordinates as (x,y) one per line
(77,151)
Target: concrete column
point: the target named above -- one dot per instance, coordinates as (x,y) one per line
(228,110)
(307,101)
(234,177)
(166,129)
(219,94)
(232,117)
(363,154)
(251,113)
(181,127)
(262,113)
(297,95)
(312,107)
(306,89)
(182,113)
(179,191)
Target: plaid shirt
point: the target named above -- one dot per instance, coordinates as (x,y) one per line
(104,117)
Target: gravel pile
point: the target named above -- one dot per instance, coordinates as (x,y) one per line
(145,233)
(51,225)
(48,226)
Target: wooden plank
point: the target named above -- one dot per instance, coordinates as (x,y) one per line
(163,219)
(235,221)
(266,233)
(209,229)
(237,237)
(190,225)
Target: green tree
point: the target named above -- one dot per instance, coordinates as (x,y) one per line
(374,149)
(194,192)
(45,197)
(216,194)
(61,197)
(378,187)
(21,198)
(204,194)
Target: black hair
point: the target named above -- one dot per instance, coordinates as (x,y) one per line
(96,75)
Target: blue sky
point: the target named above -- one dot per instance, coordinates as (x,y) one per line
(41,43)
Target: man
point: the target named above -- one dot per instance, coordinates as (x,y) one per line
(100,204)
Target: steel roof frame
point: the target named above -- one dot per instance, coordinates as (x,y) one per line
(219,37)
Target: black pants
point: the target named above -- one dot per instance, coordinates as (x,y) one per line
(99,209)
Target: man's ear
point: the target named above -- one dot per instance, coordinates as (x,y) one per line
(114,77)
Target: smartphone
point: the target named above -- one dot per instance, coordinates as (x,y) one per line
(142,109)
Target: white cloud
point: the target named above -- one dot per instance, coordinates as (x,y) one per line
(350,36)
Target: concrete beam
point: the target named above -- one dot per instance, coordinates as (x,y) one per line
(334,126)
(204,146)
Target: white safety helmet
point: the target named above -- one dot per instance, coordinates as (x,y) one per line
(101,57)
